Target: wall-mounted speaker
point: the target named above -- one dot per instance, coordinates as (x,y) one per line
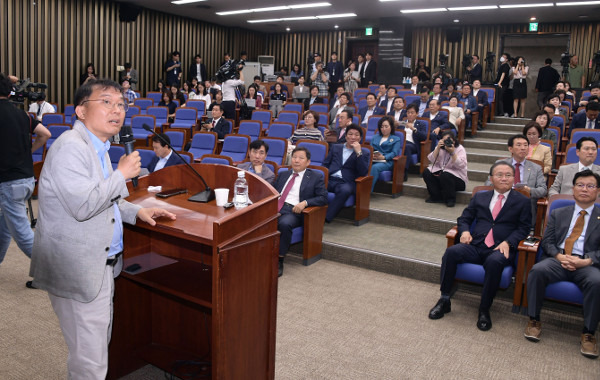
(453,35)
(128,12)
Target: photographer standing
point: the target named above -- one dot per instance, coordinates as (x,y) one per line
(16,170)
(447,172)
(320,78)
(229,97)
(502,82)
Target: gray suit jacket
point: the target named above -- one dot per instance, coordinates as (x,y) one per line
(266,173)
(532,177)
(297,91)
(558,227)
(333,113)
(563,184)
(76,218)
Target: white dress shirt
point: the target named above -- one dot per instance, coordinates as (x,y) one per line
(293,196)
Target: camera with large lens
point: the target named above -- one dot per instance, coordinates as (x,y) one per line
(24,89)
(467,59)
(448,143)
(311,59)
(490,58)
(443,59)
(229,70)
(565,59)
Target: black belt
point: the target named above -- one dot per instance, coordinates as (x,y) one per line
(113,259)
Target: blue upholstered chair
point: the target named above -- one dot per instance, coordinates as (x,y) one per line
(56,130)
(277,149)
(143,103)
(318,150)
(203,143)
(396,175)
(236,147)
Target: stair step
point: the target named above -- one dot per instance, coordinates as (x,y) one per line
(482,158)
(488,144)
(503,127)
(511,120)
(500,135)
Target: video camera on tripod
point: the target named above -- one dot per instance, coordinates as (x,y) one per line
(565,60)
(443,60)
(25,89)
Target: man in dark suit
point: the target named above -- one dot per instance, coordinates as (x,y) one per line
(336,73)
(370,71)
(437,93)
(416,131)
(571,252)
(439,122)
(470,103)
(386,101)
(370,110)
(345,119)
(423,102)
(481,97)
(299,188)
(164,155)
(197,70)
(587,119)
(475,70)
(501,219)
(345,162)
(218,123)
(173,69)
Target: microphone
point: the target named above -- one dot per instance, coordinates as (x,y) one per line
(204,196)
(126,138)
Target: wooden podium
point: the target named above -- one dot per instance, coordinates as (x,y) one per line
(207,289)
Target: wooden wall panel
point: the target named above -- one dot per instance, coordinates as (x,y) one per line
(428,43)
(52,41)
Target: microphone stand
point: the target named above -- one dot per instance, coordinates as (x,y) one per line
(204,196)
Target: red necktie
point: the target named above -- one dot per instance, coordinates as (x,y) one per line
(517,173)
(489,239)
(213,124)
(286,191)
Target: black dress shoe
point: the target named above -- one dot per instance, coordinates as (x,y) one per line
(280,268)
(441,307)
(432,200)
(450,203)
(484,322)
(29,284)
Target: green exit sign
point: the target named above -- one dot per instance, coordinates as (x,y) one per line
(368,31)
(533,26)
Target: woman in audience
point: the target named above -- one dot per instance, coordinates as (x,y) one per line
(519,77)
(314,97)
(160,86)
(398,111)
(447,171)
(278,93)
(202,93)
(252,93)
(455,113)
(89,74)
(421,71)
(309,131)
(296,73)
(543,120)
(178,95)
(167,101)
(537,151)
(351,78)
(450,90)
(186,88)
(386,145)
(218,99)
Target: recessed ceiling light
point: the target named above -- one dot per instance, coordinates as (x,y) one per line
(179,2)
(336,26)
(271,9)
(423,10)
(508,6)
(287,29)
(473,8)
(532,18)
(578,3)
(457,20)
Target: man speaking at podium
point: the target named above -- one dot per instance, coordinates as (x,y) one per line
(79,236)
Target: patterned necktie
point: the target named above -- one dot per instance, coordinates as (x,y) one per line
(576,233)
(517,173)
(286,191)
(590,124)
(489,239)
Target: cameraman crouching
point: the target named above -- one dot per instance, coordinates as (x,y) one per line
(16,169)
(447,172)
(229,97)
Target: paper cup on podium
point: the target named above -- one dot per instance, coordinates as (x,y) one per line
(222,195)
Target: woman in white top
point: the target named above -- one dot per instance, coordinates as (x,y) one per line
(455,113)
(201,94)
(519,77)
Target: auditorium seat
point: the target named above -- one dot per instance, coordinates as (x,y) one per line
(281,129)
(396,175)
(236,147)
(216,159)
(277,149)
(203,143)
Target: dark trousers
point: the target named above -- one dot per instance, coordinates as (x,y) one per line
(343,190)
(288,220)
(548,271)
(493,262)
(228,109)
(444,186)
(409,150)
(500,101)
(541,98)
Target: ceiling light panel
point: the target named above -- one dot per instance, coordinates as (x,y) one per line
(473,8)
(509,6)
(428,10)
(180,2)
(271,9)
(578,3)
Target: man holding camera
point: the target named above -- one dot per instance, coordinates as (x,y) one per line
(228,87)
(16,170)
(320,78)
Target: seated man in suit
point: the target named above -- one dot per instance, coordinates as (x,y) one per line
(437,93)
(423,102)
(587,151)
(371,109)
(588,120)
(502,219)
(260,86)
(258,153)
(398,112)
(571,245)
(343,100)
(345,162)
(299,188)
(439,122)
(594,91)
(388,99)
(345,119)
(481,97)
(415,86)
(164,155)
(301,88)
(314,98)
(469,101)
(218,123)
(416,131)
(528,175)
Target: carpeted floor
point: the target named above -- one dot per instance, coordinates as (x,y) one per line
(334,322)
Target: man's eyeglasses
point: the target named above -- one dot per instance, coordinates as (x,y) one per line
(583,186)
(110,105)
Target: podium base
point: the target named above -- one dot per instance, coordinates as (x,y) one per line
(203,196)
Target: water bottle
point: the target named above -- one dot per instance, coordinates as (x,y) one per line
(240,191)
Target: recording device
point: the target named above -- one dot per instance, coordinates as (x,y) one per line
(126,138)
(229,70)
(447,143)
(490,57)
(171,193)
(26,89)
(443,60)
(311,59)
(204,196)
(565,60)
(466,61)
